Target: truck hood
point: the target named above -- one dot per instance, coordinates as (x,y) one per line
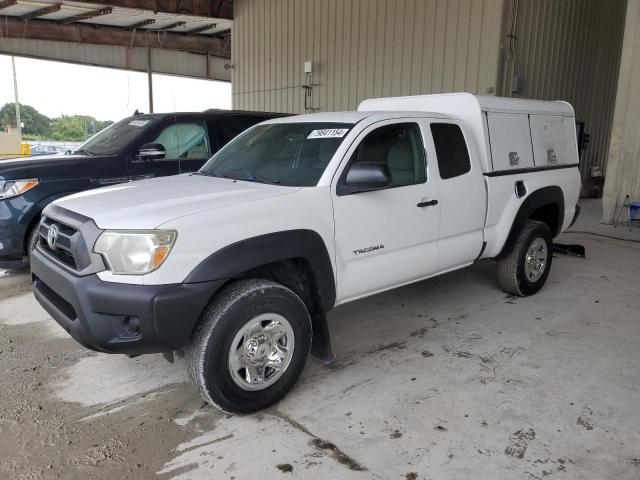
(146,204)
(50,167)
(38,160)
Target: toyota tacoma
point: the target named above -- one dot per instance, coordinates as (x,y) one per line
(237,264)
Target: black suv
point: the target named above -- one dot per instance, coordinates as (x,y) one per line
(137,147)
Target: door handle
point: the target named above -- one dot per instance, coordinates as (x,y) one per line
(427,203)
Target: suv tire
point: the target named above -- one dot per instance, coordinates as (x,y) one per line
(524,271)
(32,239)
(249,329)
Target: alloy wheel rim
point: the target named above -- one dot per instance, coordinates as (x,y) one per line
(261,351)
(535,260)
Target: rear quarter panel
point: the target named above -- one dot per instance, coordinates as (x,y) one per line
(504,204)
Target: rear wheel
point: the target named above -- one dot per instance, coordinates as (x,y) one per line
(250,347)
(524,271)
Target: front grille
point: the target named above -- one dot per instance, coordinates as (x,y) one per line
(59,254)
(62,248)
(60,303)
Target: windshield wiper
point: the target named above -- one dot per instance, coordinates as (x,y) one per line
(211,174)
(80,151)
(247,178)
(259,179)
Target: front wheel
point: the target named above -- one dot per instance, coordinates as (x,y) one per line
(250,347)
(524,271)
(32,240)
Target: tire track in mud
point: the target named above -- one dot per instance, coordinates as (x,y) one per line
(44,437)
(321,444)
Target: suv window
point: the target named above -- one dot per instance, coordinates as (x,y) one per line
(184,141)
(400,147)
(451,150)
(228,130)
(111,140)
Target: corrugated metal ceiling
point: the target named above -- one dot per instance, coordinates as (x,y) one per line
(119,16)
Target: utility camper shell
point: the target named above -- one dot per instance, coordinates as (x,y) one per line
(511,134)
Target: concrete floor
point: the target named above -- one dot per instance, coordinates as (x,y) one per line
(589,221)
(445,379)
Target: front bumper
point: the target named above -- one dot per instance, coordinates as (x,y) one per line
(12,236)
(119,318)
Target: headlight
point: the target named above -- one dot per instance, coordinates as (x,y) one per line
(13,188)
(135,252)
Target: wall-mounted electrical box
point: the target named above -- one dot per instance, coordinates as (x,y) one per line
(517,85)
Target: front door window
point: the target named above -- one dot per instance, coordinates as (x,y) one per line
(184,141)
(400,147)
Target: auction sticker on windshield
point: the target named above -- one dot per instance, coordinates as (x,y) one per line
(329,133)
(138,123)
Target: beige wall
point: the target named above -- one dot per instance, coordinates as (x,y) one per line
(569,50)
(361,49)
(9,143)
(623,169)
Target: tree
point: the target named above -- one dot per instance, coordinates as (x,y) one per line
(76,128)
(69,128)
(34,122)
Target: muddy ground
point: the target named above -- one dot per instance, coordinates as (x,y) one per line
(445,379)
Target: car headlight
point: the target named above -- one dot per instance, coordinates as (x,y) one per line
(135,252)
(13,188)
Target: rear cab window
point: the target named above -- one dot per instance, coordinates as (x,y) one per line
(451,150)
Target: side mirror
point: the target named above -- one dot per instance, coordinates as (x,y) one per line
(364,177)
(151,151)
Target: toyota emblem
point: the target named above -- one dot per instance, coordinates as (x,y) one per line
(52,236)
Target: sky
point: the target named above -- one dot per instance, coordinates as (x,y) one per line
(56,88)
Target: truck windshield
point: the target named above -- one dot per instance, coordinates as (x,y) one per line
(291,154)
(111,140)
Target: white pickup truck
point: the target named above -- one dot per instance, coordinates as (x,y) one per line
(236,265)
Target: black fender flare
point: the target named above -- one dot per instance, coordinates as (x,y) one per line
(242,256)
(551,195)
(253,252)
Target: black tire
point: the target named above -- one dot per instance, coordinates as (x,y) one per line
(207,355)
(32,240)
(511,268)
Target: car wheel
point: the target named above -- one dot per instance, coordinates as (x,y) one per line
(32,240)
(524,271)
(250,346)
